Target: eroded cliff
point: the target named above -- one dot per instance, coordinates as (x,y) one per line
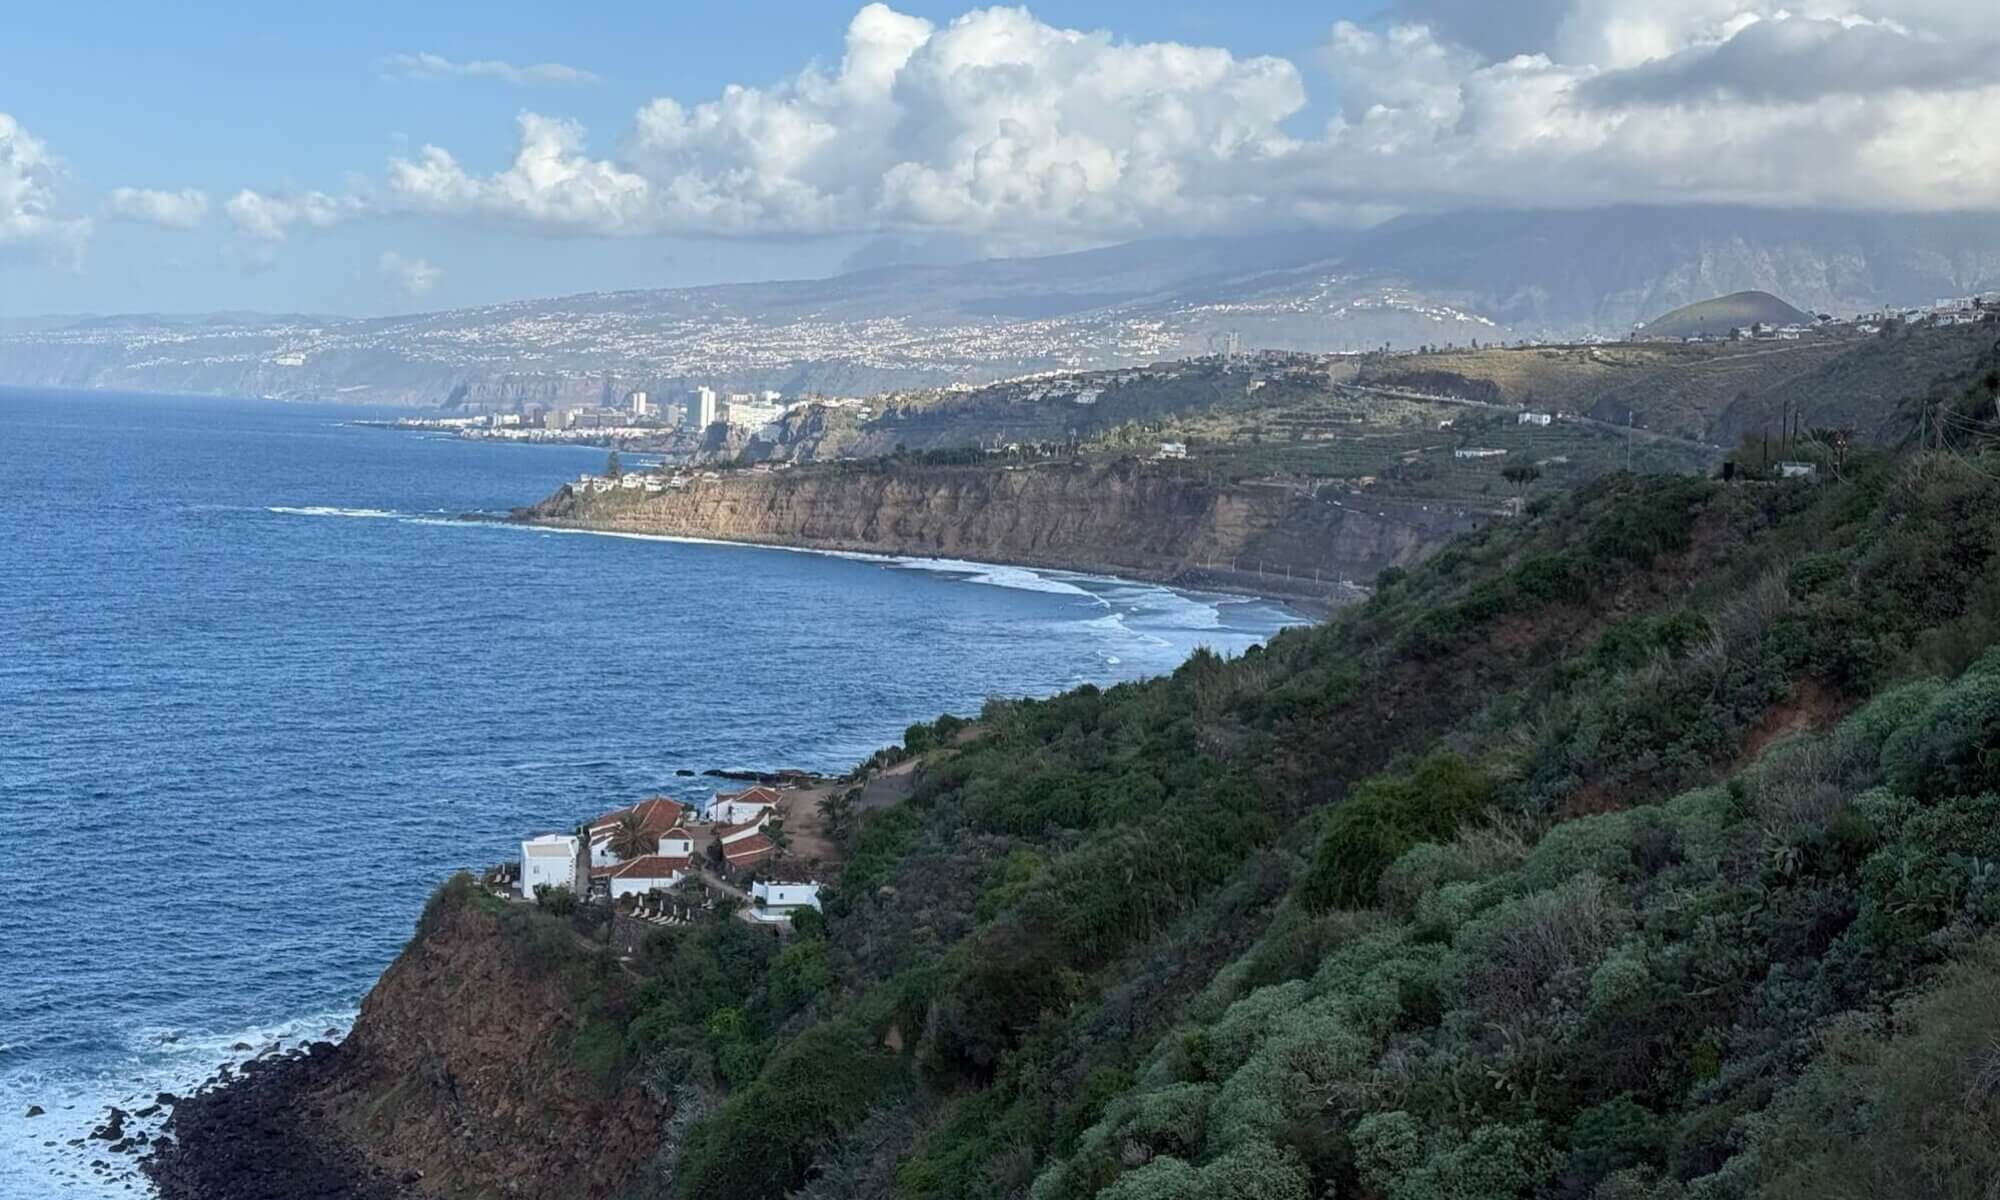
(470,1072)
(1132,518)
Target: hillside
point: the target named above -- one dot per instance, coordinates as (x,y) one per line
(1422,280)
(1711,392)
(1641,849)
(1725,314)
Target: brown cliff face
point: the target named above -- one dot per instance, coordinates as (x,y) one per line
(1131,518)
(462,1068)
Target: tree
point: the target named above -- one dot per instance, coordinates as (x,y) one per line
(631,839)
(612,468)
(1521,475)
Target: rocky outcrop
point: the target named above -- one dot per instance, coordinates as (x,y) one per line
(1145,520)
(458,1079)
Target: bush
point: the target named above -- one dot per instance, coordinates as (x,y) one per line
(1950,747)
(1383,820)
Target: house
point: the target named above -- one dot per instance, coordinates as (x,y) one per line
(748,849)
(1797,470)
(648,873)
(1173,449)
(777,896)
(1477,452)
(736,808)
(677,842)
(553,860)
(658,816)
(1088,395)
(1535,418)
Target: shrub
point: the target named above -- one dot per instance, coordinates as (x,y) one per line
(1950,747)
(1383,819)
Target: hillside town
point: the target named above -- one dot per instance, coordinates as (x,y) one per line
(660,861)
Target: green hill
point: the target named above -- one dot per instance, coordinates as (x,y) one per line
(1641,848)
(1714,318)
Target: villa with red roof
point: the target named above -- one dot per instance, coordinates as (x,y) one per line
(650,873)
(659,816)
(736,808)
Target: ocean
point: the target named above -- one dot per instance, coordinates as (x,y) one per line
(261,691)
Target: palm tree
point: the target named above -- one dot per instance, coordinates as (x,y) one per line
(630,839)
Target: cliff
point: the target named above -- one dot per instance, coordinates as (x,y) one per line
(471,1071)
(1145,520)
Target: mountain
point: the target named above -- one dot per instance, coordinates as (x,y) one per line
(1722,315)
(1420,280)
(1640,848)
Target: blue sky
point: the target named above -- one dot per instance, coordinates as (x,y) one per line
(974,132)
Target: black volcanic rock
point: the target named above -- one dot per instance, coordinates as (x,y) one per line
(256,1135)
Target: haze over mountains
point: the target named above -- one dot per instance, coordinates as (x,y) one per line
(1491,276)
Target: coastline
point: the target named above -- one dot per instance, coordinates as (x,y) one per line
(1312,603)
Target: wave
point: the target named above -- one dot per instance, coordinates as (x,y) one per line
(321,510)
(1020,579)
(34,1152)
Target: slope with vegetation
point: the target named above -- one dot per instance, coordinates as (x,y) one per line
(1725,314)
(1646,847)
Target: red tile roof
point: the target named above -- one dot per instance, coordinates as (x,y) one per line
(749,850)
(656,815)
(725,832)
(756,795)
(651,866)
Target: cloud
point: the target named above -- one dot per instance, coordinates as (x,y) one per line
(995,124)
(424,65)
(28,180)
(1719,101)
(998,131)
(551,184)
(169,210)
(268,217)
(413,277)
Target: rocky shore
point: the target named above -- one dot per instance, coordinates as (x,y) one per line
(259,1134)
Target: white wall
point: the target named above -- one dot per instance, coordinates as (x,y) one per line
(639,887)
(554,862)
(677,847)
(786,895)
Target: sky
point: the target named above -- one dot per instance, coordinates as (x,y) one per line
(374,158)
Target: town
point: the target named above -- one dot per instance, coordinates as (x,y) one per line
(756,852)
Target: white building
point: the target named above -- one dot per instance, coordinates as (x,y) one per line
(652,873)
(747,413)
(1089,395)
(1173,449)
(1477,452)
(657,817)
(737,808)
(702,403)
(785,895)
(554,860)
(1535,418)
(641,405)
(1798,470)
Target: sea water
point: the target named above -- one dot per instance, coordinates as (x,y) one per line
(261,690)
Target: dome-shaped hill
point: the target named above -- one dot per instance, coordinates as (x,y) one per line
(1711,318)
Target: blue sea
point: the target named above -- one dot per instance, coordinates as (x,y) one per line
(261,690)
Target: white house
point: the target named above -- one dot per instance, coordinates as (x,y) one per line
(785,895)
(1798,470)
(736,808)
(657,817)
(651,873)
(1535,418)
(677,843)
(553,860)
(1173,449)
(1477,452)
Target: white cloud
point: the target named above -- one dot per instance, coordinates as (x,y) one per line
(413,277)
(170,210)
(1000,130)
(995,124)
(28,179)
(551,183)
(424,65)
(1733,101)
(268,217)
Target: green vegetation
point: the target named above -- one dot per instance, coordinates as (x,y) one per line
(1644,847)
(1722,315)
